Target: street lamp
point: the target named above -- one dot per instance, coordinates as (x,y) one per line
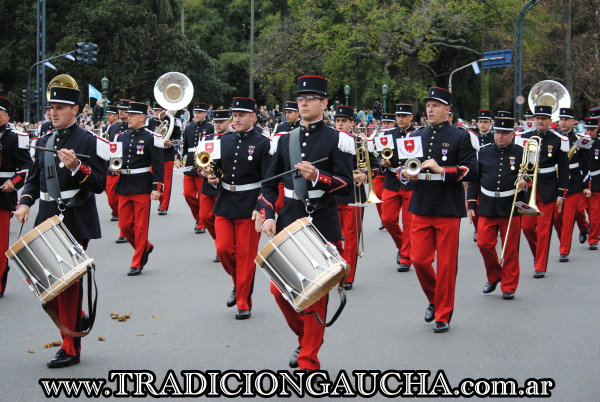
(104,81)
(385,90)
(347,93)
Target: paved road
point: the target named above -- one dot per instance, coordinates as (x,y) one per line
(549,331)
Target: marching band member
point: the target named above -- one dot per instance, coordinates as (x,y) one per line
(192,180)
(388,122)
(112,117)
(565,219)
(244,162)
(73,182)
(169,153)
(46,126)
(397,195)
(592,184)
(140,181)
(498,167)
(15,163)
(315,194)
(448,157)
(485,127)
(552,187)
(351,217)
(292,120)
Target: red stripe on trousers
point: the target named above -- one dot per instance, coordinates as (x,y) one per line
(207,218)
(538,232)
(192,188)
(378,190)
(487,237)
(594,202)
(165,197)
(394,203)
(134,219)
(436,234)
(351,225)
(4,233)
(237,245)
(565,221)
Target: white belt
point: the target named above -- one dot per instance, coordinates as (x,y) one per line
(574,165)
(7,174)
(311,194)
(595,173)
(135,171)
(65,195)
(191,149)
(430,176)
(547,170)
(498,194)
(240,187)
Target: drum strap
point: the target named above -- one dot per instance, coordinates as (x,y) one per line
(342,294)
(300,187)
(53,314)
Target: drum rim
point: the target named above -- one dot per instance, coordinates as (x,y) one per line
(302,301)
(279,238)
(30,236)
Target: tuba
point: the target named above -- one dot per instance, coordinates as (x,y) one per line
(172,91)
(549,93)
(61,80)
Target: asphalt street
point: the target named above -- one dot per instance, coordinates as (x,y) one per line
(179,320)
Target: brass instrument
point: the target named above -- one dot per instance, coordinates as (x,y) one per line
(172,91)
(203,160)
(412,166)
(116,163)
(61,80)
(387,153)
(549,93)
(573,150)
(363,164)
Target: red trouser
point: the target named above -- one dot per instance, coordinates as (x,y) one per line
(237,245)
(207,218)
(165,197)
(192,189)
(134,219)
(351,225)
(436,234)
(594,211)
(68,305)
(393,202)
(4,231)
(378,189)
(580,218)
(280,201)
(487,237)
(538,232)
(111,195)
(565,221)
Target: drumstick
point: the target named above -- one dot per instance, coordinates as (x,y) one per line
(291,171)
(56,151)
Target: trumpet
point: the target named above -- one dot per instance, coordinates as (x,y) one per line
(116,163)
(203,160)
(412,166)
(387,153)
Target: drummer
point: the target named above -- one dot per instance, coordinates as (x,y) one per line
(73,181)
(313,190)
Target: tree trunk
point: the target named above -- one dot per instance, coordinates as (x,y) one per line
(484,100)
(283,8)
(414,75)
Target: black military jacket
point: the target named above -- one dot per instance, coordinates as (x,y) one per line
(592,176)
(139,151)
(116,129)
(335,178)
(452,148)
(207,188)
(81,220)
(244,160)
(487,138)
(551,185)
(45,128)
(391,181)
(286,127)
(191,135)
(15,164)
(498,169)
(577,165)
(169,151)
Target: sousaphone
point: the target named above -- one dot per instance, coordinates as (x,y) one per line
(549,93)
(172,91)
(61,80)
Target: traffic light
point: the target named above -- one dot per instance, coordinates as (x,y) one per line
(86,52)
(24,96)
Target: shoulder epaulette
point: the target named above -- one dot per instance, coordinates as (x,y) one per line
(473,137)
(346,142)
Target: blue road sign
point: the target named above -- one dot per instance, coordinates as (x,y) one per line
(503,58)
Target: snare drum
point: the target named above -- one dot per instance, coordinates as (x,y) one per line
(49,259)
(302,264)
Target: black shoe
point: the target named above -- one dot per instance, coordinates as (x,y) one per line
(583,237)
(116,218)
(231,299)
(294,357)
(200,230)
(441,326)
(134,271)
(403,267)
(162,211)
(62,359)
(381,227)
(85,322)
(475,236)
(347,286)
(564,258)
(508,295)
(242,315)
(217,259)
(489,287)
(539,274)
(429,313)
(593,247)
(1,295)
(146,255)
(398,258)
(121,240)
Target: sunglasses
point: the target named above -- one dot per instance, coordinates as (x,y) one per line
(308,98)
